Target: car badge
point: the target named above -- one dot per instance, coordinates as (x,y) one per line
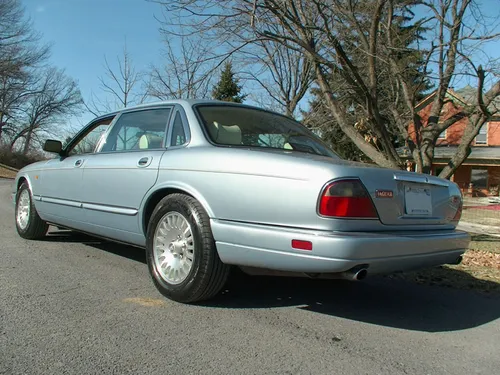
(384,193)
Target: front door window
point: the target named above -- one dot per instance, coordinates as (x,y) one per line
(88,142)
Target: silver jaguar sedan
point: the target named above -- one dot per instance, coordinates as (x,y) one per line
(204,186)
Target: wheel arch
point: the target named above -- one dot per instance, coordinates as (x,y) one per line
(21,179)
(159,192)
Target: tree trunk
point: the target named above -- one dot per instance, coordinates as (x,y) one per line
(27,142)
(16,137)
(427,156)
(417,157)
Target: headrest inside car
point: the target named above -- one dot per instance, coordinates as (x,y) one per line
(229,135)
(148,141)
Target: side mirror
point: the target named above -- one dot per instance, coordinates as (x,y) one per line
(52,145)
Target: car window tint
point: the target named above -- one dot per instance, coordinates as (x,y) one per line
(138,130)
(178,133)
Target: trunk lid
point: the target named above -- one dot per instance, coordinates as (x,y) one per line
(407,198)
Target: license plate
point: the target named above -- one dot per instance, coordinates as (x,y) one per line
(418,201)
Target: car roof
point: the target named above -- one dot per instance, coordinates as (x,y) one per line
(187,102)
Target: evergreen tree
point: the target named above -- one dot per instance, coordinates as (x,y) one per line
(227,89)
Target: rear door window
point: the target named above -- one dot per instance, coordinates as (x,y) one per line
(139,130)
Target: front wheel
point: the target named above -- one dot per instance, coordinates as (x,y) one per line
(28,224)
(181,253)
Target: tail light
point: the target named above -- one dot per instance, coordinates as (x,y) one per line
(347,199)
(458,214)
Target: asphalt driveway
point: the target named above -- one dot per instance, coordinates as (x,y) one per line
(72,304)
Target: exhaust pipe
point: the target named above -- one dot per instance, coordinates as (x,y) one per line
(458,260)
(356,273)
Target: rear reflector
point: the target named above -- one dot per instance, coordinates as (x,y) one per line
(302,245)
(347,199)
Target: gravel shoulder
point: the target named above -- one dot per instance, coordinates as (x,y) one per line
(7,172)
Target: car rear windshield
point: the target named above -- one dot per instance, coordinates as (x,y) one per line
(249,127)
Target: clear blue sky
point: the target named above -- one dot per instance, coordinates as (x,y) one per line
(82,32)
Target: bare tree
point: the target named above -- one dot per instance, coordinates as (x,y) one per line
(187,72)
(361,45)
(284,74)
(53,100)
(13,95)
(20,52)
(119,84)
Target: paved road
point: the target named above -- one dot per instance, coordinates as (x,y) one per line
(75,305)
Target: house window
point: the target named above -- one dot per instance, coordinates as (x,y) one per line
(479,177)
(442,135)
(481,138)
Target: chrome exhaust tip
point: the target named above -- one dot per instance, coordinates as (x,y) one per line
(361,274)
(356,273)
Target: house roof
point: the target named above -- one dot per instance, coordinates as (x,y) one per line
(465,95)
(485,153)
(450,94)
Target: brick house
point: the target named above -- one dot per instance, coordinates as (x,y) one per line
(479,175)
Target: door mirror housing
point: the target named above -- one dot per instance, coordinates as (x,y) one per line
(52,145)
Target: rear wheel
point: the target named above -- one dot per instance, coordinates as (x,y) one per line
(181,253)
(28,224)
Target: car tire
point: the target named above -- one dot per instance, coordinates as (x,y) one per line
(180,250)
(28,224)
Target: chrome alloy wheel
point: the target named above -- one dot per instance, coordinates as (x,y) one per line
(23,209)
(173,248)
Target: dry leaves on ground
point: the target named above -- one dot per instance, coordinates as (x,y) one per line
(479,271)
(481,259)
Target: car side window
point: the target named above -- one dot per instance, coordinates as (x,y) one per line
(139,130)
(178,134)
(89,141)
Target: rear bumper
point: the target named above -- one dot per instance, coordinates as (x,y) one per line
(270,248)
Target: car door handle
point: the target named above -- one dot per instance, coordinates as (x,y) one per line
(78,163)
(143,162)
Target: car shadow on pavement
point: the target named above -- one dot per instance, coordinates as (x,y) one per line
(377,300)
(385,301)
(122,250)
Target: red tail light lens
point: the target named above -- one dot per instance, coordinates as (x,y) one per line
(347,199)
(458,214)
